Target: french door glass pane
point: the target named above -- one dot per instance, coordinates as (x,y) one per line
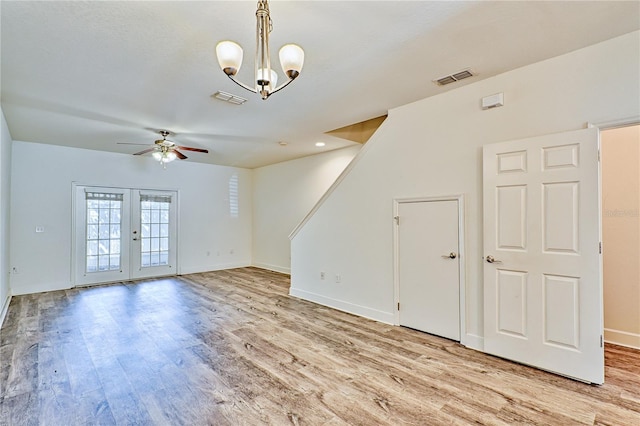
(103,221)
(154,231)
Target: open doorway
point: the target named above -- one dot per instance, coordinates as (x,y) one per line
(620,162)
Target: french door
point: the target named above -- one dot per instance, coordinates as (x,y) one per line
(123,234)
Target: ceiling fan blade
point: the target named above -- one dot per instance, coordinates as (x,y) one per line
(186,148)
(179,154)
(145,151)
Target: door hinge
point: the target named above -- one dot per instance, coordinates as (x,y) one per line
(601,341)
(398,305)
(397,219)
(600,247)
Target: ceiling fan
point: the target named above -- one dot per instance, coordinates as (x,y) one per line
(165,150)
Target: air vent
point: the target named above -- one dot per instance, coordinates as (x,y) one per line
(448,79)
(228,97)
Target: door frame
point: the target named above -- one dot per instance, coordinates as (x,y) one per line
(600,126)
(461,255)
(74,219)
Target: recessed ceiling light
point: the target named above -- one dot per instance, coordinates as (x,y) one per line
(283,143)
(319,144)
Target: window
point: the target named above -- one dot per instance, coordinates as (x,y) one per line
(233,196)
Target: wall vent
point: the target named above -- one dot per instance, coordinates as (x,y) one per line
(448,79)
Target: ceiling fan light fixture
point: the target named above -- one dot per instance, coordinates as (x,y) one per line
(230,55)
(169,156)
(164,156)
(165,151)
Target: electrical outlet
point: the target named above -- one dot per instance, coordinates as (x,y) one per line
(338,278)
(322,275)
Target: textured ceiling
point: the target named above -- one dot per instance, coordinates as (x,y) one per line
(91,74)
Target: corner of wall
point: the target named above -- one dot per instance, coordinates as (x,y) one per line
(274,268)
(341,177)
(6,142)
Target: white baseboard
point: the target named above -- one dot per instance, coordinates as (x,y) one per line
(622,338)
(363,311)
(473,341)
(218,267)
(275,268)
(21,289)
(5,309)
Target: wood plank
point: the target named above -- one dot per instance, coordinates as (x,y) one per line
(232,348)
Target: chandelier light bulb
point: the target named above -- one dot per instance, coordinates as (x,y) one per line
(291,60)
(229,55)
(272,80)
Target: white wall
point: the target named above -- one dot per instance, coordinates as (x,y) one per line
(41,189)
(5,186)
(433,147)
(283,194)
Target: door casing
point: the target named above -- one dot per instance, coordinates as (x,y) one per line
(601,126)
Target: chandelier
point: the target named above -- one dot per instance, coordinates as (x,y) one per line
(230,53)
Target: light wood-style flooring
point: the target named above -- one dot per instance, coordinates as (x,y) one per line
(232,348)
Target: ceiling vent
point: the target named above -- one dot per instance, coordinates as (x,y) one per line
(228,97)
(448,79)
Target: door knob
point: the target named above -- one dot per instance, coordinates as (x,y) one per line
(490,259)
(451,255)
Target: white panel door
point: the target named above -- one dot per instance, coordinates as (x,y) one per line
(542,269)
(101,230)
(428,267)
(153,233)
